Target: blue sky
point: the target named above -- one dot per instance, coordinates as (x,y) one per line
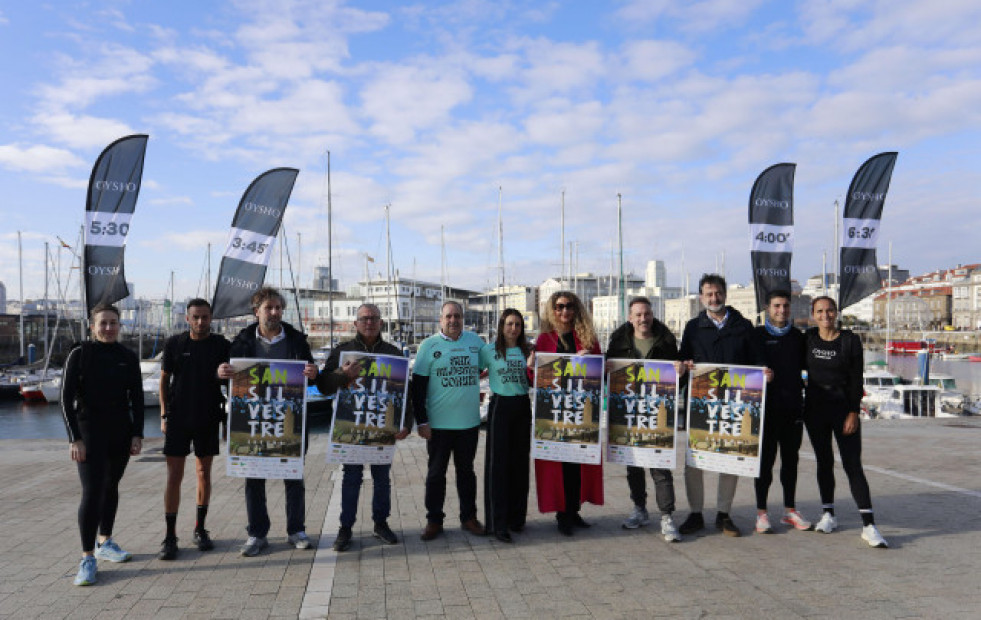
(432,106)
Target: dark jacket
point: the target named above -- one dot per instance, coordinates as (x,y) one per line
(329,380)
(102,394)
(296,342)
(622,343)
(702,342)
(785,357)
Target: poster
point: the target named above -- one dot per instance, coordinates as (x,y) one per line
(566,408)
(370,411)
(642,413)
(725,418)
(266,418)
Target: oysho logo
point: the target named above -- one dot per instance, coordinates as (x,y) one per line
(116,186)
(99,270)
(771,203)
(771,271)
(262,209)
(868,196)
(240,283)
(861,269)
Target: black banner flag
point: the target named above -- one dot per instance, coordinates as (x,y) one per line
(254,229)
(859,276)
(113,189)
(771,224)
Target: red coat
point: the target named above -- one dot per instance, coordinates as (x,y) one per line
(548,474)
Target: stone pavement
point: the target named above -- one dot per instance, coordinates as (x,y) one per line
(925,487)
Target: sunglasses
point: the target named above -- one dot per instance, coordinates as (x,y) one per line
(561,307)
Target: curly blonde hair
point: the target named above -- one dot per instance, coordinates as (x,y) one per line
(583,324)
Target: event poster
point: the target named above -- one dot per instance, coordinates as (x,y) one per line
(567,408)
(642,413)
(370,411)
(725,418)
(266,418)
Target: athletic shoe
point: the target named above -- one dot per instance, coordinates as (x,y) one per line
(86,571)
(385,533)
(827,524)
(254,545)
(728,527)
(300,540)
(692,524)
(637,518)
(343,540)
(797,521)
(763,524)
(203,540)
(872,536)
(168,549)
(109,550)
(668,530)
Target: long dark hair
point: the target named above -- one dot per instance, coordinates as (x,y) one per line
(501,344)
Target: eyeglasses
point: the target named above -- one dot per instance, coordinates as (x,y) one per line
(368,319)
(561,307)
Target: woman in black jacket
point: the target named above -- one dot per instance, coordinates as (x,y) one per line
(832,401)
(102,404)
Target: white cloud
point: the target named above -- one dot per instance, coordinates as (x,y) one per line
(80,131)
(552,68)
(171,200)
(561,123)
(115,70)
(651,61)
(401,100)
(37,158)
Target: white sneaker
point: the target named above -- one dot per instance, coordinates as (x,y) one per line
(299,540)
(639,517)
(827,524)
(872,536)
(796,520)
(668,530)
(763,524)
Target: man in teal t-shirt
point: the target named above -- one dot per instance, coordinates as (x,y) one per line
(446,402)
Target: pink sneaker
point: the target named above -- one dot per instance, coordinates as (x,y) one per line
(794,519)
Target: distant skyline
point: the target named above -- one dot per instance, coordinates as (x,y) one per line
(432,107)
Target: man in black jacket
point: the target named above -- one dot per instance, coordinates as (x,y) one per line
(334,376)
(271,338)
(644,337)
(783,425)
(718,335)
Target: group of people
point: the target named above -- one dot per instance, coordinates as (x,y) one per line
(102,402)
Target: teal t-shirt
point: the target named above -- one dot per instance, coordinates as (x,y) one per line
(507,375)
(453,395)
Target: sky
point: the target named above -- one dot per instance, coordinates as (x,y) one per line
(447,110)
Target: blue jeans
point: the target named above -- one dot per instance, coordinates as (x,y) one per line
(381,499)
(255,506)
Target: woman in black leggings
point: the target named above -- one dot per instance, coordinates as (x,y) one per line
(831,405)
(102,402)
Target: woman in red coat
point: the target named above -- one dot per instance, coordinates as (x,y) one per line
(566,327)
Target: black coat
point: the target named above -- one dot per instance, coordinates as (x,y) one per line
(622,343)
(735,343)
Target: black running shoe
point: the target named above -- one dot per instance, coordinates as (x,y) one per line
(168,549)
(203,541)
(343,540)
(692,524)
(385,533)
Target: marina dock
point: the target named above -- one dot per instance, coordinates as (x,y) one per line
(925,489)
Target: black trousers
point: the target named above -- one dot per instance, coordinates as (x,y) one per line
(506,462)
(100,474)
(821,427)
(462,446)
(571,483)
(785,432)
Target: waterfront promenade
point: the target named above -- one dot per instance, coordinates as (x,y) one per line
(925,484)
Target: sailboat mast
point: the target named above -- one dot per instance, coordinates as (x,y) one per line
(500,252)
(562,242)
(388,270)
(20,263)
(621,309)
(46,267)
(330,260)
(442,270)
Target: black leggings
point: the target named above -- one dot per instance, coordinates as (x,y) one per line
(100,475)
(506,463)
(787,434)
(820,428)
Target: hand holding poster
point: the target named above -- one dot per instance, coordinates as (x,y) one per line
(725,418)
(566,408)
(266,418)
(370,411)
(642,410)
